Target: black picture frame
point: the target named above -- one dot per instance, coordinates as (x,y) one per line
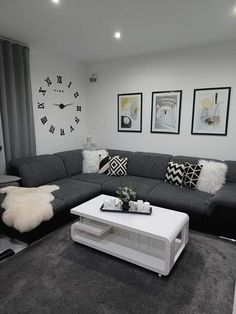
(170,93)
(127,122)
(214,94)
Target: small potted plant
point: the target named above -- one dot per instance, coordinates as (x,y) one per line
(126,194)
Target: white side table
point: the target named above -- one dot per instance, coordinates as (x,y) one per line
(6,180)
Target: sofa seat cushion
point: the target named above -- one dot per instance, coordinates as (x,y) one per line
(180,199)
(59,206)
(140,184)
(98,178)
(74,192)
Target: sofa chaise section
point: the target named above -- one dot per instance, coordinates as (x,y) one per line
(50,169)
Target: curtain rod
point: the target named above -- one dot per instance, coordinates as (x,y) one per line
(14,41)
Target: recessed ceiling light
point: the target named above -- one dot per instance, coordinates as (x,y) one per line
(235,9)
(55,1)
(117,35)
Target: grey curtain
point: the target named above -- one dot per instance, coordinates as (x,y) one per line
(16,108)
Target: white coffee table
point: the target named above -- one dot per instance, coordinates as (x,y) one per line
(151,241)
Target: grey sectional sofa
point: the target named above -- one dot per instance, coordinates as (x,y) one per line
(214,214)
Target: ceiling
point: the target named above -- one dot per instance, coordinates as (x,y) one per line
(83,29)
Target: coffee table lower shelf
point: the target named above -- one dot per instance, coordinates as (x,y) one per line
(154,254)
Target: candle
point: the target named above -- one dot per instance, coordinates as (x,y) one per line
(140,205)
(146,206)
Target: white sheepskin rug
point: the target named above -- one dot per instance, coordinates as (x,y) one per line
(26,208)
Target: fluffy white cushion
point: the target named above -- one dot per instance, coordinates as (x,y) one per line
(91,160)
(26,208)
(212,176)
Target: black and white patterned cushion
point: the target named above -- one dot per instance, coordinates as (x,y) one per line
(174,173)
(104,165)
(118,166)
(191,175)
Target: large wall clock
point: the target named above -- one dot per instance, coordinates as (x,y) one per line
(58,104)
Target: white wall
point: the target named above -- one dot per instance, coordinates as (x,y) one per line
(45,65)
(209,66)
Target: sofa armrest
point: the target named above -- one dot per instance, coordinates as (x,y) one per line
(225,197)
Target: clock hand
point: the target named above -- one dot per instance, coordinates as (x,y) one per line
(62,106)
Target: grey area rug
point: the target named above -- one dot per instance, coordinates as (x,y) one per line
(56,275)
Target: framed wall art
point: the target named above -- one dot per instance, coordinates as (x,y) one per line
(130,112)
(166,110)
(210,111)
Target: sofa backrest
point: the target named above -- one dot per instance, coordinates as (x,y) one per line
(38,170)
(231,174)
(151,165)
(194,160)
(73,161)
(117,152)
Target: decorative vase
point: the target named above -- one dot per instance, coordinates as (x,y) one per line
(125,206)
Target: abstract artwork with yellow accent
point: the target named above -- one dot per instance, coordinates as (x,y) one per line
(130,112)
(210,111)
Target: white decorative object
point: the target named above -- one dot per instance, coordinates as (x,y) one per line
(91,160)
(212,176)
(112,202)
(133,205)
(154,242)
(106,203)
(26,208)
(146,206)
(140,205)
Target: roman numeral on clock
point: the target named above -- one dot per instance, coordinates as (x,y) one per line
(69,85)
(76,94)
(71,129)
(43,91)
(59,79)
(62,132)
(40,106)
(48,81)
(78,108)
(52,129)
(77,120)
(44,120)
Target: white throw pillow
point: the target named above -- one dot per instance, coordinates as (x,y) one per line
(212,176)
(91,160)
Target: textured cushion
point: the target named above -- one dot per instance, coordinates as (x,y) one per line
(72,160)
(140,185)
(104,165)
(149,165)
(98,178)
(184,199)
(231,173)
(118,166)
(191,175)
(42,170)
(73,192)
(212,177)
(174,173)
(91,160)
